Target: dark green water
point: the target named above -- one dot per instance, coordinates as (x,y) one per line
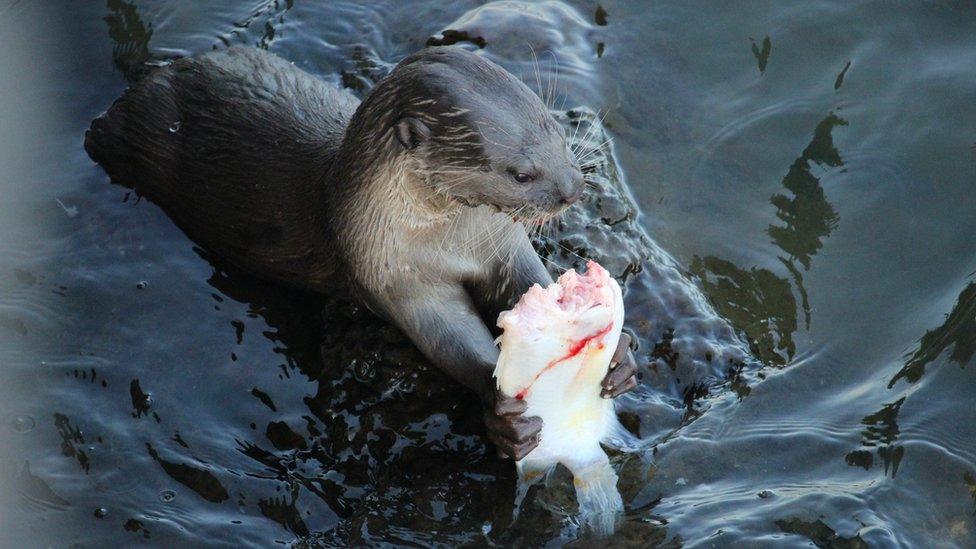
(810,165)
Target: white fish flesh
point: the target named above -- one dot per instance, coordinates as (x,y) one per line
(556,347)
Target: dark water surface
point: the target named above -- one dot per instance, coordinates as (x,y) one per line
(811,167)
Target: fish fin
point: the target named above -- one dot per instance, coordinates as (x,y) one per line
(529,474)
(621,439)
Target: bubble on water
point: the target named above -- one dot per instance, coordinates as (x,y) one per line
(175,127)
(364,370)
(167,496)
(101,512)
(142,285)
(23,424)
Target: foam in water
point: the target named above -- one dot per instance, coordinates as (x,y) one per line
(555,350)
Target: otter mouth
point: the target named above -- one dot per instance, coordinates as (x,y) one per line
(528,215)
(535,219)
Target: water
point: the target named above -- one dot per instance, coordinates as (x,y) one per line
(809,166)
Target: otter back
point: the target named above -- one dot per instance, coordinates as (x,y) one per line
(235,146)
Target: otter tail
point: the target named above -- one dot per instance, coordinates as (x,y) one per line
(106,146)
(136,139)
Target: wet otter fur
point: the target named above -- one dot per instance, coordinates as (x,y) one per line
(414,196)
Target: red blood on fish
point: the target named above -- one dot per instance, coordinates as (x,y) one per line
(574,349)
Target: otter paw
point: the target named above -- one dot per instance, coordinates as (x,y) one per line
(513,434)
(622,376)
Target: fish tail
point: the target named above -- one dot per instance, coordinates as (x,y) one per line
(599,500)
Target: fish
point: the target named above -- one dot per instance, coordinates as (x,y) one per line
(555,349)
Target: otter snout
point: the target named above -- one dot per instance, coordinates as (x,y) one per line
(569,187)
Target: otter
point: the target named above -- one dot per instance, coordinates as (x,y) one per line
(416,198)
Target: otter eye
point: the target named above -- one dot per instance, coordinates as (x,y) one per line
(523,177)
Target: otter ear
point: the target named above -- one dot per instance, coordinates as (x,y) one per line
(411,132)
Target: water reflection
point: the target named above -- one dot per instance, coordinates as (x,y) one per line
(808,216)
(378,422)
(762,55)
(283,510)
(131,37)
(271,12)
(72,441)
(386,443)
(358,443)
(970,481)
(36,492)
(840,76)
(957,332)
(757,300)
(881,432)
(550,45)
(198,479)
(141,402)
(821,534)
(364,69)
(134,525)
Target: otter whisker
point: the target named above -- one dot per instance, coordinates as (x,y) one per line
(505,240)
(597,148)
(567,250)
(446,186)
(590,155)
(488,122)
(459,169)
(550,259)
(484,237)
(552,262)
(509,147)
(592,163)
(573,144)
(593,126)
(562,104)
(538,74)
(451,229)
(496,250)
(554,80)
(580,141)
(576,145)
(450,181)
(447,183)
(550,89)
(457,166)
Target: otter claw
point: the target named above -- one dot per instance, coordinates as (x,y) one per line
(514,450)
(623,369)
(513,434)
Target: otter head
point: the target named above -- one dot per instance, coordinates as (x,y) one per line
(480,135)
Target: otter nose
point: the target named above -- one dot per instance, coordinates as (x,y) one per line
(570,187)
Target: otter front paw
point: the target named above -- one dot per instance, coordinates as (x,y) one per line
(513,434)
(622,376)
